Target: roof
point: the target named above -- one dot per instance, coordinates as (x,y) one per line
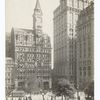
(9,58)
(37,5)
(29,30)
(22,29)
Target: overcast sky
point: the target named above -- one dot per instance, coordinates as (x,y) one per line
(19,14)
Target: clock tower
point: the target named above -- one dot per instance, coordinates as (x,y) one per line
(37,19)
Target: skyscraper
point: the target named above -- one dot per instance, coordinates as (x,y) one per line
(85,46)
(65,21)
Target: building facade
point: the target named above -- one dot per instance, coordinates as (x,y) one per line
(9,79)
(8,44)
(31,51)
(85,46)
(65,20)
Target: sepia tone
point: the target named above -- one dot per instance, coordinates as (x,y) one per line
(49,67)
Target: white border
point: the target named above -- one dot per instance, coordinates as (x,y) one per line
(96,50)
(2,49)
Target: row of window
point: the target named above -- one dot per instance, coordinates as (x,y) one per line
(84,53)
(82,68)
(85,73)
(75,3)
(21,43)
(27,72)
(24,37)
(9,62)
(8,81)
(8,74)
(9,68)
(84,31)
(85,62)
(32,56)
(29,49)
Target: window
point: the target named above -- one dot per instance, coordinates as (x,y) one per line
(84,49)
(84,73)
(75,19)
(80,73)
(89,67)
(16,36)
(70,17)
(8,74)
(70,3)
(89,72)
(75,3)
(8,80)
(80,50)
(89,51)
(39,26)
(26,37)
(80,4)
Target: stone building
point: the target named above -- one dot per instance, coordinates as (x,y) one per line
(85,46)
(65,21)
(31,51)
(9,78)
(8,44)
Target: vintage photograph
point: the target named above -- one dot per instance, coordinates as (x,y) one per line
(49,50)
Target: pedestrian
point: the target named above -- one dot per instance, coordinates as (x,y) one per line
(78,97)
(30,98)
(19,99)
(26,98)
(51,97)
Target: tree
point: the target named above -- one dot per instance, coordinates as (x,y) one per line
(64,88)
(89,90)
(31,83)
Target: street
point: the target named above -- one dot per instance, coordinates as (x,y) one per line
(47,97)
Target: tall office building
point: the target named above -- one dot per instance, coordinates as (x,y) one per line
(85,46)
(65,20)
(31,51)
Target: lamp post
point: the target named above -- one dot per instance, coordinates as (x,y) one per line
(43,96)
(51,95)
(78,97)
(12,95)
(42,93)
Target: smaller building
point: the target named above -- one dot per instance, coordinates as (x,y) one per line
(8,44)
(9,77)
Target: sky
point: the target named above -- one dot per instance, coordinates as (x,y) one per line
(19,14)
